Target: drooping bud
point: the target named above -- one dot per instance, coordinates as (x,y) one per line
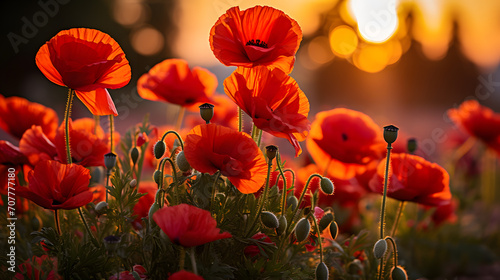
(302,229)
(159,149)
(412,145)
(390,133)
(101,207)
(282,225)
(206,112)
(354,267)
(334,230)
(398,273)
(182,162)
(154,207)
(271,152)
(157,176)
(327,186)
(109,160)
(134,155)
(133,183)
(321,271)
(141,139)
(292,201)
(269,220)
(325,221)
(380,248)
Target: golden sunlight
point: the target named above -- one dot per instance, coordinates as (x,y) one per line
(377,20)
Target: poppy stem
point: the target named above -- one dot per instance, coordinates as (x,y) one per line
(180,116)
(398,215)
(382,210)
(92,238)
(67,114)
(111,124)
(56,219)
(176,134)
(214,186)
(97,120)
(319,238)
(394,249)
(262,199)
(283,193)
(182,257)
(193,260)
(240,119)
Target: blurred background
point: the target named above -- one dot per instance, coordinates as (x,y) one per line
(403,62)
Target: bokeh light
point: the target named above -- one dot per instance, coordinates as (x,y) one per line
(147,40)
(343,40)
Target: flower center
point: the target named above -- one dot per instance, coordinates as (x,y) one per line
(257,43)
(344,137)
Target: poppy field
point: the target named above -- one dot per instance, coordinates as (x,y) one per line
(212,195)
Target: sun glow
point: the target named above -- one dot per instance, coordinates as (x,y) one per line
(377,20)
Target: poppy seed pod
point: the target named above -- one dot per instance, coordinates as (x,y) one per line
(334,230)
(110,160)
(325,221)
(380,248)
(154,207)
(182,162)
(302,229)
(292,201)
(412,145)
(157,176)
(327,186)
(159,149)
(282,225)
(134,155)
(321,271)
(101,207)
(390,133)
(133,183)
(206,112)
(398,273)
(111,242)
(269,220)
(271,152)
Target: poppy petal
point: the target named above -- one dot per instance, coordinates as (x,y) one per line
(98,101)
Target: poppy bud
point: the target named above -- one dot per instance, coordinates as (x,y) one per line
(282,225)
(269,220)
(206,112)
(154,207)
(412,145)
(355,267)
(302,229)
(292,201)
(133,183)
(182,162)
(157,176)
(141,139)
(321,271)
(110,160)
(101,207)
(159,149)
(271,152)
(334,230)
(325,221)
(380,248)
(398,273)
(390,133)
(134,155)
(327,186)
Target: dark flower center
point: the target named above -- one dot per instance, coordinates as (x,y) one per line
(344,136)
(257,43)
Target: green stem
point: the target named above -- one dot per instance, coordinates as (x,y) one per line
(398,215)
(180,116)
(107,184)
(92,238)
(394,249)
(56,219)
(97,120)
(193,260)
(382,211)
(176,134)
(284,191)
(319,238)
(67,115)
(182,257)
(111,128)
(262,199)
(240,119)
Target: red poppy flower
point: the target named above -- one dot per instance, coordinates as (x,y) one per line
(141,139)
(43,267)
(478,121)
(184,275)
(188,225)
(211,147)
(87,61)
(412,178)
(445,213)
(256,36)
(273,100)
(127,275)
(253,250)
(18,115)
(173,81)
(141,209)
(53,185)
(98,193)
(344,141)
(11,157)
(36,146)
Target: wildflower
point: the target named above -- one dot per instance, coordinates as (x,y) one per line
(273,100)
(253,250)
(18,115)
(257,36)
(184,275)
(188,225)
(210,147)
(478,121)
(87,61)
(412,178)
(141,139)
(344,141)
(174,82)
(54,185)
